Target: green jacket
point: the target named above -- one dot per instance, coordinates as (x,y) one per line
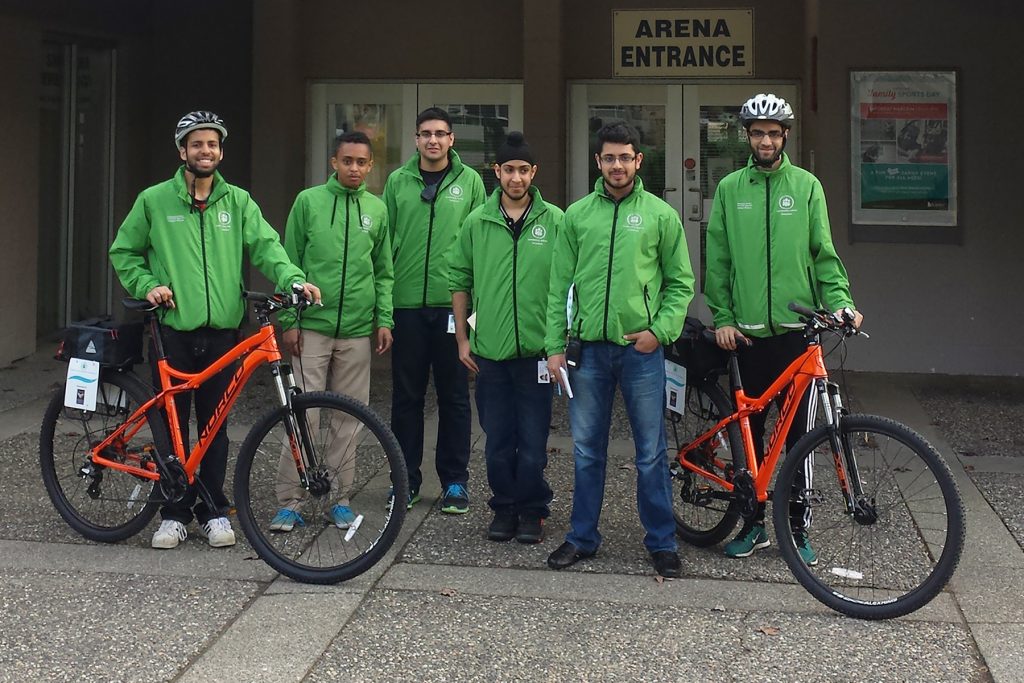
(769,243)
(631,269)
(340,238)
(422,231)
(508,278)
(198,254)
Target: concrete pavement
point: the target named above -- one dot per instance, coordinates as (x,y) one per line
(447,605)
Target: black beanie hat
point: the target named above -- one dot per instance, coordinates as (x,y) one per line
(514,149)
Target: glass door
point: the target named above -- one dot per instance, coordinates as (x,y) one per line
(482,114)
(76,164)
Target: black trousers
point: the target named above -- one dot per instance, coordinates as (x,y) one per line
(760,365)
(422,344)
(195,351)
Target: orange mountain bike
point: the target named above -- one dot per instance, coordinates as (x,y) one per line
(108,470)
(887,520)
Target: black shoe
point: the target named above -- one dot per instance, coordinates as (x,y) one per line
(531,528)
(666,563)
(567,555)
(503,526)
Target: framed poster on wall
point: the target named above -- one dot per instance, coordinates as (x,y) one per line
(903,151)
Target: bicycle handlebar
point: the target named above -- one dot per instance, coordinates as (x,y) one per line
(840,322)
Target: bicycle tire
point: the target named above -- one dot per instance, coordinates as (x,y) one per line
(900,561)
(317,551)
(702,521)
(102,504)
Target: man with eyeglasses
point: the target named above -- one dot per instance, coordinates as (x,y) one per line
(501,262)
(427,199)
(623,251)
(339,231)
(768,244)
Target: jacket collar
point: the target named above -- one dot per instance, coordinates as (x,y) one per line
(492,207)
(638,186)
(336,188)
(220,187)
(412,166)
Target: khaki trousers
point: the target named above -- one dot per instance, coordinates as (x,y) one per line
(341,366)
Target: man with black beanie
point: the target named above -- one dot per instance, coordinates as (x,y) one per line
(501,263)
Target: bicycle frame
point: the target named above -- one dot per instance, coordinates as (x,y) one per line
(795,380)
(259,348)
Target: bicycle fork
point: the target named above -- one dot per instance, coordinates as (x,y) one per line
(843,456)
(297,429)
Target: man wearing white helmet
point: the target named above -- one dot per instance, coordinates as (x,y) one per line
(768,244)
(181,248)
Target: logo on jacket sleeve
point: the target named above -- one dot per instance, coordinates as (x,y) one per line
(223,220)
(787,205)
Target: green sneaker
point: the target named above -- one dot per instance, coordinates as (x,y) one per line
(803,546)
(750,538)
(414,497)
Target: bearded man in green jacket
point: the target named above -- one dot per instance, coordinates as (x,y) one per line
(181,248)
(768,244)
(427,200)
(502,261)
(338,234)
(623,251)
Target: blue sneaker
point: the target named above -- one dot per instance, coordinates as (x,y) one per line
(342,516)
(286,519)
(455,500)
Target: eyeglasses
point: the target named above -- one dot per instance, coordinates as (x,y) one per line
(758,134)
(622,159)
(427,134)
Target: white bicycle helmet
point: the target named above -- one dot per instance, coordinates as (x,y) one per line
(767,107)
(198,120)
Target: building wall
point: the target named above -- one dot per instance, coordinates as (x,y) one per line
(944,308)
(19,188)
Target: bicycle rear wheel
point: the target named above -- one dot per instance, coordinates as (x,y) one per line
(351,459)
(900,549)
(704,511)
(101,503)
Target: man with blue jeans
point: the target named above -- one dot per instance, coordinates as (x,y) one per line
(501,261)
(623,251)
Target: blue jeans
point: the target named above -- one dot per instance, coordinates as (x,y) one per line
(641,377)
(515,414)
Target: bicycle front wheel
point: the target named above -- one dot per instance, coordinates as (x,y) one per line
(705,512)
(342,519)
(101,503)
(899,546)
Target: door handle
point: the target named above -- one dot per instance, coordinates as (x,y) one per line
(698,213)
(667,190)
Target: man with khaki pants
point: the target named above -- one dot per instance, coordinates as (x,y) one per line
(339,231)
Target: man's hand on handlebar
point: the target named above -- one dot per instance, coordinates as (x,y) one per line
(161,295)
(310,291)
(850,315)
(728,336)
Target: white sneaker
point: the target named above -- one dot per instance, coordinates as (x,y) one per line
(169,535)
(218,532)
